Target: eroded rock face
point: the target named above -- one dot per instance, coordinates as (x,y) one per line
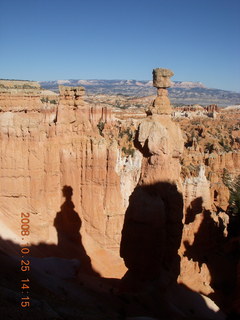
(41,152)
(161,80)
(25,96)
(152,230)
(151,235)
(142,173)
(161,143)
(19,84)
(71,95)
(204,234)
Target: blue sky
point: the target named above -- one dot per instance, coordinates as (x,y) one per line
(123,39)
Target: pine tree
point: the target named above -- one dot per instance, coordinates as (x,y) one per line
(235,197)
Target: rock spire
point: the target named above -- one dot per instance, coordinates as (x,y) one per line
(161,80)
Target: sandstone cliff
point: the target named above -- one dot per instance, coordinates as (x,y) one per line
(25,96)
(151,187)
(41,152)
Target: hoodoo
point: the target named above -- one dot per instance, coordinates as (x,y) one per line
(161,80)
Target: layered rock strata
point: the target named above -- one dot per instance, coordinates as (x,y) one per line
(25,96)
(161,80)
(133,176)
(152,228)
(41,152)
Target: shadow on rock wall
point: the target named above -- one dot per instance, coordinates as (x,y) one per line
(68,225)
(152,232)
(209,247)
(151,237)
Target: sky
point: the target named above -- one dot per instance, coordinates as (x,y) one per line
(199,40)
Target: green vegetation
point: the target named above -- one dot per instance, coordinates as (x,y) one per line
(234,188)
(196,122)
(226,178)
(46,100)
(194,169)
(26,86)
(53,101)
(100,126)
(128,132)
(128,151)
(139,105)
(234,201)
(209,147)
(225,145)
(121,106)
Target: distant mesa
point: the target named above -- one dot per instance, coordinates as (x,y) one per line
(60,82)
(187,84)
(19,84)
(23,95)
(85,83)
(180,92)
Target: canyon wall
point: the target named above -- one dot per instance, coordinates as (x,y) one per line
(114,172)
(41,152)
(24,96)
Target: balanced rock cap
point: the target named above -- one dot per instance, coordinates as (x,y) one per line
(71,91)
(161,77)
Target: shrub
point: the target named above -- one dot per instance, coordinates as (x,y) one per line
(121,106)
(225,146)
(53,101)
(234,201)
(209,147)
(127,132)
(44,100)
(100,126)
(234,189)
(128,151)
(226,178)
